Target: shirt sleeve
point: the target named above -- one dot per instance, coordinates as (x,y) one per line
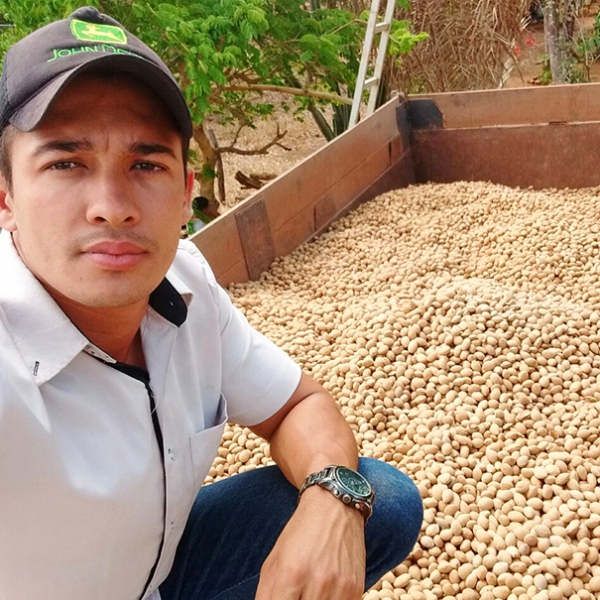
(257,377)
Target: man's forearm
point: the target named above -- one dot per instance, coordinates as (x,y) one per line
(312,435)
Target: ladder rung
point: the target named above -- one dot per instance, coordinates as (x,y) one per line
(383,26)
(369,83)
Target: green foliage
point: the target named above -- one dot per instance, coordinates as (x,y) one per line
(318,49)
(588,46)
(208,172)
(204,43)
(545,77)
(24,17)
(576,71)
(402,40)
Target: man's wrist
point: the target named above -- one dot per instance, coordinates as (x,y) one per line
(318,500)
(345,485)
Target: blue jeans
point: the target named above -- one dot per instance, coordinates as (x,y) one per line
(234,524)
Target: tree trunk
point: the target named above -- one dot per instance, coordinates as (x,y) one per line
(220,170)
(554,42)
(572,8)
(559,28)
(209,164)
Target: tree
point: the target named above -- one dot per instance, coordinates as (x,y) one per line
(559,28)
(227,53)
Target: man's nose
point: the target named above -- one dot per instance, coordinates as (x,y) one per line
(112,201)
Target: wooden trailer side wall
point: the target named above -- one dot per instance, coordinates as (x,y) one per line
(539,137)
(362,163)
(520,106)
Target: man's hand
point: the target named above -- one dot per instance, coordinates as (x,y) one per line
(320,555)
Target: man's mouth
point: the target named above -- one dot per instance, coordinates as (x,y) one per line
(116,255)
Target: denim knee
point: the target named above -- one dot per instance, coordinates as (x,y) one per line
(394,527)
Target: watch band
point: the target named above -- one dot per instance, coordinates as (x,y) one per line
(326,479)
(314,477)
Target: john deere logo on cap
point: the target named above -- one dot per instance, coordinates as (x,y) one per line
(95,32)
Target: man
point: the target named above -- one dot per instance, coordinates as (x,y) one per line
(121,361)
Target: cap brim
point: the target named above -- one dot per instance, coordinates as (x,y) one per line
(29,116)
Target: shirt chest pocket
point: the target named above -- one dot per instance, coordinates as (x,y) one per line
(205,443)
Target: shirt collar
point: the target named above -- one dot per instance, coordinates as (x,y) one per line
(46,338)
(169,302)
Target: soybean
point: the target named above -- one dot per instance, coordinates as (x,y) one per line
(457,327)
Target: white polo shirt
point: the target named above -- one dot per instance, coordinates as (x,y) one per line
(94,489)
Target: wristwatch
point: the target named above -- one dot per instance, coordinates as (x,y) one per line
(347,485)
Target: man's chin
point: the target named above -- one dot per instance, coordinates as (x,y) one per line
(113,296)
(112,301)
(103,294)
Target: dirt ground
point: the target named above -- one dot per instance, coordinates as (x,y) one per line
(531,51)
(304,138)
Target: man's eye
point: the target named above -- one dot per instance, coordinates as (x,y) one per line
(147,166)
(63,165)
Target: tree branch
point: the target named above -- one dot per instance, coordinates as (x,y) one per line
(286,90)
(232,149)
(237,135)
(247,78)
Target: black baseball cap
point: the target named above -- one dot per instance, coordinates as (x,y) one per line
(38,67)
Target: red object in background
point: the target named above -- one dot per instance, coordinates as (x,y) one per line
(530,41)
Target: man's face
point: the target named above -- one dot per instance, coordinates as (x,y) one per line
(98,198)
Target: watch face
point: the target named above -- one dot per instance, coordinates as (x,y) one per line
(354,481)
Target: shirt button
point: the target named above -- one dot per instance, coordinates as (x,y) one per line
(172,525)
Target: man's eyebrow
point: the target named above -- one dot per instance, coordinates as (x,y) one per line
(63,146)
(72,146)
(145,149)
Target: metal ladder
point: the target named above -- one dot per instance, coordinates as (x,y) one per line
(374,26)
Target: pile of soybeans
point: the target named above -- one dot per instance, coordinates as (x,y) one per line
(458,327)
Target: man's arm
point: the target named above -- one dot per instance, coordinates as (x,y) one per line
(320,554)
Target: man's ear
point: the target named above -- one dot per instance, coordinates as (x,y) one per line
(189,190)
(7,213)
